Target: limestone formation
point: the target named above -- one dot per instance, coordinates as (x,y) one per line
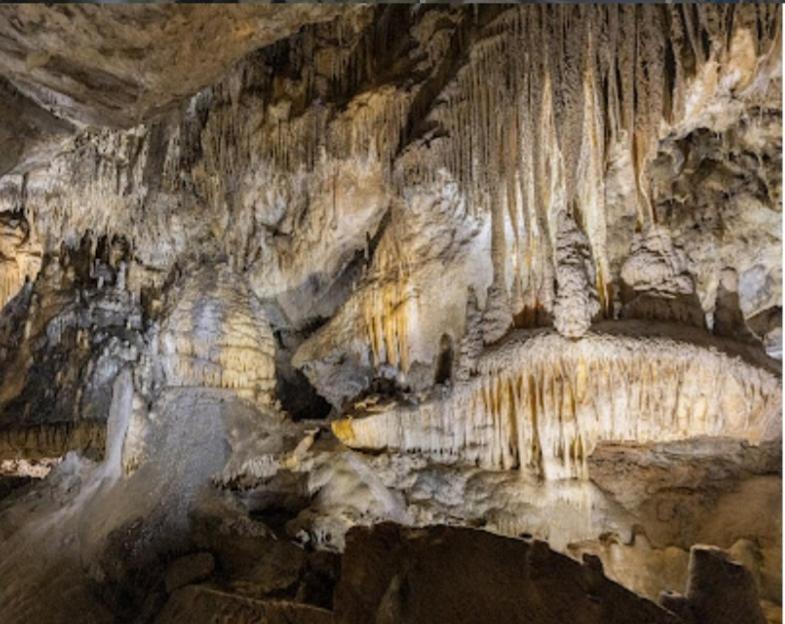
(218,336)
(540,404)
(576,298)
(271,275)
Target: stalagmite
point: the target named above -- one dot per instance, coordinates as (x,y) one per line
(471,344)
(497,317)
(576,296)
(217,337)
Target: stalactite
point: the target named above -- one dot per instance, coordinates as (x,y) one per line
(20,257)
(53,440)
(576,82)
(497,317)
(542,404)
(387,312)
(389,307)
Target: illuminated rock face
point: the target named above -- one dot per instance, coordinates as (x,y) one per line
(289,174)
(542,403)
(516,268)
(217,336)
(20,257)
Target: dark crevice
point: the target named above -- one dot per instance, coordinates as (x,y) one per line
(297,395)
(444,360)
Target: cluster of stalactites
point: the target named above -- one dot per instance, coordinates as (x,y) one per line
(531,138)
(387,312)
(20,257)
(389,307)
(576,79)
(541,405)
(316,113)
(527,140)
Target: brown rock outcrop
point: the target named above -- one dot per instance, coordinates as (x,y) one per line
(200,605)
(395,575)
